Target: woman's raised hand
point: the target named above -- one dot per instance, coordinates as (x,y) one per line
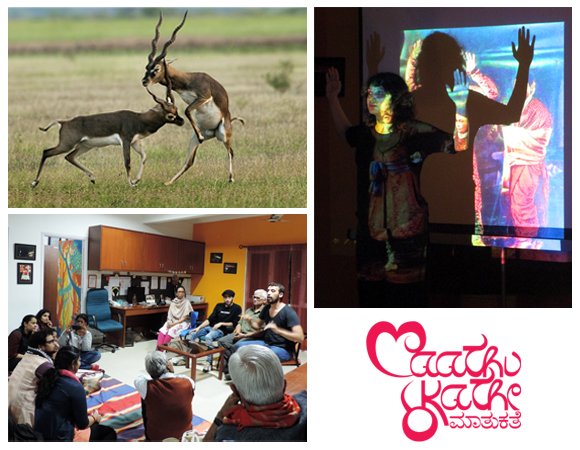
(333,83)
(459,92)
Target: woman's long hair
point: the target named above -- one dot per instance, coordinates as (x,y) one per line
(402,103)
(27,318)
(64,358)
(39,315)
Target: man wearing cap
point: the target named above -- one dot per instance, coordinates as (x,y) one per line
(222,321)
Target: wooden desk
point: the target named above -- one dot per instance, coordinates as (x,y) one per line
(143,319)
(296,380)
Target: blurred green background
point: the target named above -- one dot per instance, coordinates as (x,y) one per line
(60,24)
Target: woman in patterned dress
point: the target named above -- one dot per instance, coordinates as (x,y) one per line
(392,214)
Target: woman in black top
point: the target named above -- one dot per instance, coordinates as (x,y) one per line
(18,340)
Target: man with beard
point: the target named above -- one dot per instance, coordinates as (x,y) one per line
(281,325)
(222,321)
(42,348)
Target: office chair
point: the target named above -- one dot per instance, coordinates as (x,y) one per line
(193,324)
(99,314)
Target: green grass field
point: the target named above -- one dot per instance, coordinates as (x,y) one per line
(270,150)
(57,28)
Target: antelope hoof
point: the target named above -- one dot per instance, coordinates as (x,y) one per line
(168,183)
(33,184)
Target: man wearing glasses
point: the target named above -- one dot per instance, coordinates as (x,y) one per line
(244,330)
(42,348)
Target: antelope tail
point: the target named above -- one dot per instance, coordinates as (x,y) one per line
(52,124)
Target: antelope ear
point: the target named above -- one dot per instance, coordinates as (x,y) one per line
(171,60)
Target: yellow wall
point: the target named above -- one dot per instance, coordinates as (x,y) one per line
(226,237)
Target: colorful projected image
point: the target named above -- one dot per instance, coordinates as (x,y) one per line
(518,168)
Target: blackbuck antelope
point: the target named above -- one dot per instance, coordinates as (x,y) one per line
(207,100)
(124,128)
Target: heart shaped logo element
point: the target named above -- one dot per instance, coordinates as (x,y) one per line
(386,327)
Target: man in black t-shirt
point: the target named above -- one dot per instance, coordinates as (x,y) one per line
(222,321)
(280,322)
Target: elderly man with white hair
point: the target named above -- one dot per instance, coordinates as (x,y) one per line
(244,330)
(166,399)
(259,409)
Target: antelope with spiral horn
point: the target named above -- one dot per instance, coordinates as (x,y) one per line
(207,110)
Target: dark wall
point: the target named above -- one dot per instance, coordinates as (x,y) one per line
(336,34)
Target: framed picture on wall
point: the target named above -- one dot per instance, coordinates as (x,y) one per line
(216,258)
(24,273)
(230,267)
(25,251)
(92,281)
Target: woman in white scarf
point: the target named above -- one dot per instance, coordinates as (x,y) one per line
(177,316)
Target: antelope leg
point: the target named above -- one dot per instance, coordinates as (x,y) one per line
(78,151)
(193,146)
(139,149)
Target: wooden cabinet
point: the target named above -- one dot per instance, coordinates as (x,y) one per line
(190,256)
(115,249)
(159,253)
(132,251)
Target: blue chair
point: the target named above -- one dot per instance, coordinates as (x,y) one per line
(193,324)
(99,314)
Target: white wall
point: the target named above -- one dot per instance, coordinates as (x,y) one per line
(29,228)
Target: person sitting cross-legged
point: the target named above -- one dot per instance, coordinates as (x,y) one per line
(22,385)
(166,399)
(61,405)
(81,338)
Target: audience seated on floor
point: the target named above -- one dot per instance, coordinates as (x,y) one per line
(258,408)
(61,404)
(44,319)
(166,399)
(18,340)
(81,338)
(42,347)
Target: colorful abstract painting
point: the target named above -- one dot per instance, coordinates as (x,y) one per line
(70,270)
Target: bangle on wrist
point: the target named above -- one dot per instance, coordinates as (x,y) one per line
(218,421)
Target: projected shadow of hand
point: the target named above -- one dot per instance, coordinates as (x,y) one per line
(435,60)
(439,57)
